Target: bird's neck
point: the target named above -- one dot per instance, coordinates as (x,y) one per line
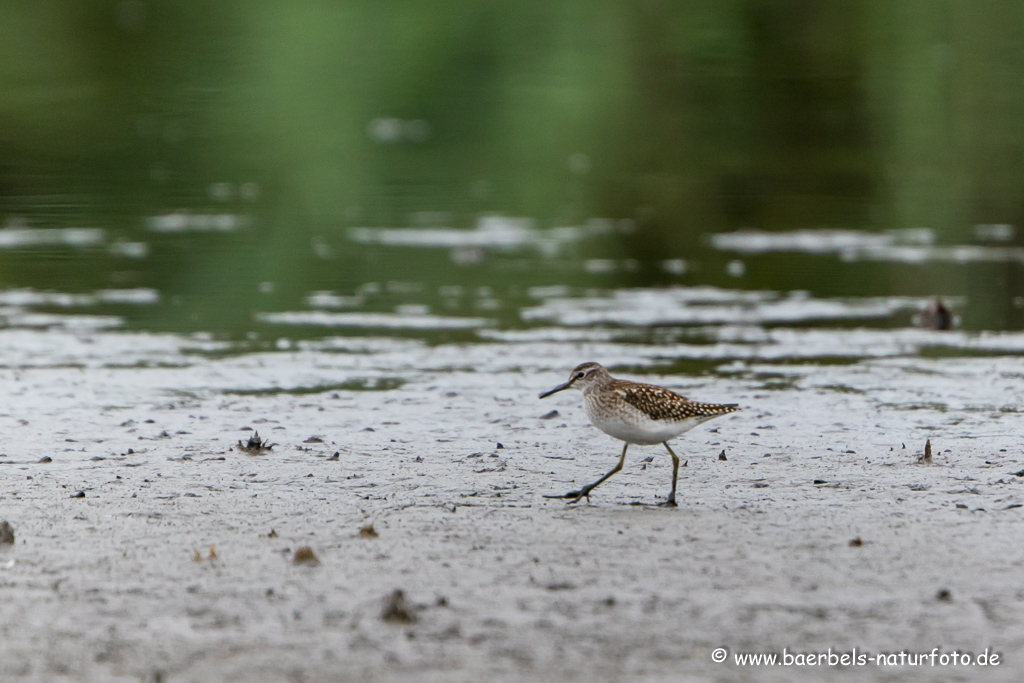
(598,383)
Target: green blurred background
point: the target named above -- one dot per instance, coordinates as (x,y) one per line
(226,149)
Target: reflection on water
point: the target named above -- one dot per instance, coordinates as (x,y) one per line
(711,177)
(903,246)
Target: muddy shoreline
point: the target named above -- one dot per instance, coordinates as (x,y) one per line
(502,584)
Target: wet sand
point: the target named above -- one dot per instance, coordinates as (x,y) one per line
(819,530)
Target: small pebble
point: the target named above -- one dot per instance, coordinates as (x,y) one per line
(6,533)
(396,611)
(305,555)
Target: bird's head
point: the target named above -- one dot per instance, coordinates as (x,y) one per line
(582,377)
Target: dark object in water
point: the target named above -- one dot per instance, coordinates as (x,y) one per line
(936,317)
(6,533)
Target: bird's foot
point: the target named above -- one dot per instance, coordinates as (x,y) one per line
(669,503)
(573,496)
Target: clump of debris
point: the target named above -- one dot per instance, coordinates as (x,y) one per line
(926,458)
(255,444)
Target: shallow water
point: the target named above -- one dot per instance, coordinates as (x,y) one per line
(535,297)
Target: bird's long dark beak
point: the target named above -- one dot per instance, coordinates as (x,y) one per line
(560,387)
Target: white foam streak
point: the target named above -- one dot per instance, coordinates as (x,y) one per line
(13,238)
(912,246)
(708,306)
(371,320)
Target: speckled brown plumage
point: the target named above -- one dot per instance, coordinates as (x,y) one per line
(659,403)
(642,414)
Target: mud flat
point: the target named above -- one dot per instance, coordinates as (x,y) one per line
(151,547)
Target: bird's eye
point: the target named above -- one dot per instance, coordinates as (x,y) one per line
(579,375)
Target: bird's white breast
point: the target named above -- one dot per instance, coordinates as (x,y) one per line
(629,424)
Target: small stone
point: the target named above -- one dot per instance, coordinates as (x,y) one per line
(944,595)
(305,555)
(368,532)
(6,533)
(856,542)
(550,415)
(80,494)
(272,534)
(47,458)
(337,454)
(721,456)
(500,445)
(313,439)
(396,611)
